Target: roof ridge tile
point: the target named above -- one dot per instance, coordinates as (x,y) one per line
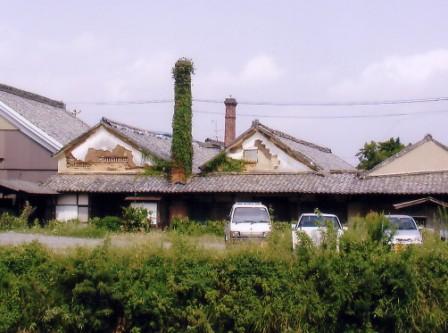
(292,138)
(31,96)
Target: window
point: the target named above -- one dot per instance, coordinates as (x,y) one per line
(250,155)
(402,223)
(113,159)
(151,207)
(72,206)
(314,221)
(250,214)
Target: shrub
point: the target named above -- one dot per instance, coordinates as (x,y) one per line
(72,228)
(9,221)
(363,287)
(194,228)
(135,219)
(110,223)
(223,163)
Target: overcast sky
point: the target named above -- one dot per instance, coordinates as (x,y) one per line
(274,51)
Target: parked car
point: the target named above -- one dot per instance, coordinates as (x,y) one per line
(314,226)
(404,229)
(248,220)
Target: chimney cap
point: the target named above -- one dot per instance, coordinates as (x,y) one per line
(230,101)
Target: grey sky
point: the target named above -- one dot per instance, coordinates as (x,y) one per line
(254,50)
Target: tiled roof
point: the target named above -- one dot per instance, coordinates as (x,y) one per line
(19,185)
(159,144)
(47,114)
(335,183)
(323,157)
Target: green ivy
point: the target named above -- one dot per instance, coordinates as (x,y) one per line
(182,146)
(223,163)
(158,168)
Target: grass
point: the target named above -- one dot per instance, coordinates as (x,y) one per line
(69,229)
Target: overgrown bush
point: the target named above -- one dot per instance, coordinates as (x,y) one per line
(10,221)
(135,219)
(223,163)
(365,287)
(110,223)
(195,228)
(72,228)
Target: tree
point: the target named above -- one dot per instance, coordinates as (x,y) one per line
(374,153)
(182,146)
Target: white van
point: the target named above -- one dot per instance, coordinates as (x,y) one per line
(248,220)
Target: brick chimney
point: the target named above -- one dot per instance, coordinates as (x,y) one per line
(230,124)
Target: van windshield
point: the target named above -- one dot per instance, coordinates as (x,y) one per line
(250,215)
(402,223)
(314,221)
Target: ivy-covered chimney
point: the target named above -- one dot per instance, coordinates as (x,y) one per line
(182,146)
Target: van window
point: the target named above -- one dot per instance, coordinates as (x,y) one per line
(313,221)
(250,214)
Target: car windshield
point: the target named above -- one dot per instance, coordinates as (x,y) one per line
(313,221)
(250,214)
(402,223)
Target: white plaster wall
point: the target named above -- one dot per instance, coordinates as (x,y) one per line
(287,163)
(428,157)
(104,140)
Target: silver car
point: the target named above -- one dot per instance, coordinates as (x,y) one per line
(405,230)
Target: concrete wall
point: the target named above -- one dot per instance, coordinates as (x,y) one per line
(428,157)
(23,158)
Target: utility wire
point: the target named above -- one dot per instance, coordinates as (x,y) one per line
(381,115)
(118,103)
(259,115)
(266,103)
(349,103)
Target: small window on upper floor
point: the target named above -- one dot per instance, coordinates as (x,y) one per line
(250,155)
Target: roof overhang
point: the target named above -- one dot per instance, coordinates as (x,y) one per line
(420,201)
(24,186)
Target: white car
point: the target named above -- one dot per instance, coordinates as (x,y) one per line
(405,230)
(314,226)
(248,220)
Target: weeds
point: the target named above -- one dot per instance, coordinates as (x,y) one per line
(363,287)
(194,228)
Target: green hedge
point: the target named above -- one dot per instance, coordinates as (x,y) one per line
(365,287)
(196,228)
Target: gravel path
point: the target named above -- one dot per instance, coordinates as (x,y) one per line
(54,242)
